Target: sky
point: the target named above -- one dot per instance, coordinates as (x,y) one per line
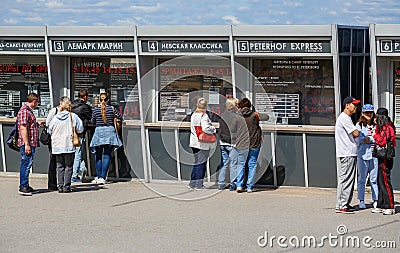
(194,12)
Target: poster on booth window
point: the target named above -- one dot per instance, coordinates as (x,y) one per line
(20,76)
(295,91)
(396,94)
(116,76)
(182,84)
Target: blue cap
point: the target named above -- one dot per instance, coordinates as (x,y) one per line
(367,108)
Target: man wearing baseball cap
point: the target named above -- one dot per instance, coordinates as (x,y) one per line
(346,151)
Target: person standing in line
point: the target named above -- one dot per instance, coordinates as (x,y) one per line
(52,171)
(239,151)
(226,132)
(61,130)
(385,131)
(254,131)
(346,151)
(84,112)
(28,140)
(105,138)
(201,150)
(366,164)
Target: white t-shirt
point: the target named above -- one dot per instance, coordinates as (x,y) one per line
(345,142)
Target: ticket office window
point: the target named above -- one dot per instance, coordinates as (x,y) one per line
(19,76)
(116,76)
(182,83)
(295,91)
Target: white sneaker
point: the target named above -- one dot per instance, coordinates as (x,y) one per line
(387,211)
(101,181)
(375,204)
(376,210)
(95,180)
(362,205)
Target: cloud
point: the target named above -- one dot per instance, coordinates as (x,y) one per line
(243,8)
(34,19)
(232,20)
(16,11)
(10,21)
(155,8)
(54,4)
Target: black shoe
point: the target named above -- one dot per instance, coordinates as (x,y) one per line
(351,208)
(67,190)
(25,191)
(52,188)
(31,190)
(60,190)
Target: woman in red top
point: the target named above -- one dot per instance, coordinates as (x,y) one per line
(385,130)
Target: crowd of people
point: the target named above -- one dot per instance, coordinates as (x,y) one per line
(240,143)
(356,147)
(62,123)
(240,140)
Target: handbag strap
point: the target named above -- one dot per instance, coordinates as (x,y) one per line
(72,125)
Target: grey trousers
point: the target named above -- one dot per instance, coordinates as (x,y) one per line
(346,179)
(64,164)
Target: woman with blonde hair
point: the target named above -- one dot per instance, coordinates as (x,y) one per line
(201,150)
(105,138)
(62,147)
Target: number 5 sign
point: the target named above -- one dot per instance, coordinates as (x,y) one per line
(386,46)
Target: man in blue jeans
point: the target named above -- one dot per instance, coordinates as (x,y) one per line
(84,112)
(28,140)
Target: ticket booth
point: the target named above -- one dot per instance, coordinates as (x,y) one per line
(295,82)
(178,65)
(23,69)
(385,72)
(99,59)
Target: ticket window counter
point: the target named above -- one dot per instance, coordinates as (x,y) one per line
(98,59)
(179,70)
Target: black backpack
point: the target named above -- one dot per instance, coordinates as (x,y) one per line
(12,140)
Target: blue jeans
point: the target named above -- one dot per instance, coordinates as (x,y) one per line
(364,167)
(79,162)
(238,166)
(26,164)
(199,167)
(252,164)
(225,161)
(102,159)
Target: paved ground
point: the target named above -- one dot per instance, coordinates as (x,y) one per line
(131,217)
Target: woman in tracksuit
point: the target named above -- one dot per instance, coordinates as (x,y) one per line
(384,131)
(366,164)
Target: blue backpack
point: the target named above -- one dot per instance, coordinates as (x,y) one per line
(12,140)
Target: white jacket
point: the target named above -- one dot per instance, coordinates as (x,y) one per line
(60,128)
(200,119)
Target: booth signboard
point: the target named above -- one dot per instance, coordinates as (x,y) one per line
(396,93)
(22,46)
(389,46)
(185,46)
(103,46)
(116,76)
(283,46)
(295,91)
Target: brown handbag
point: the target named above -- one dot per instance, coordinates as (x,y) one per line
(76,141)
(117,124)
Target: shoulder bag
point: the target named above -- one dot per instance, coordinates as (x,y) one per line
(12,139)
(45,137)
(117,124)
(204,137)
(385,152)
(75,138)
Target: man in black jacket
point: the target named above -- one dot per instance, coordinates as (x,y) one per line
(84,111)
